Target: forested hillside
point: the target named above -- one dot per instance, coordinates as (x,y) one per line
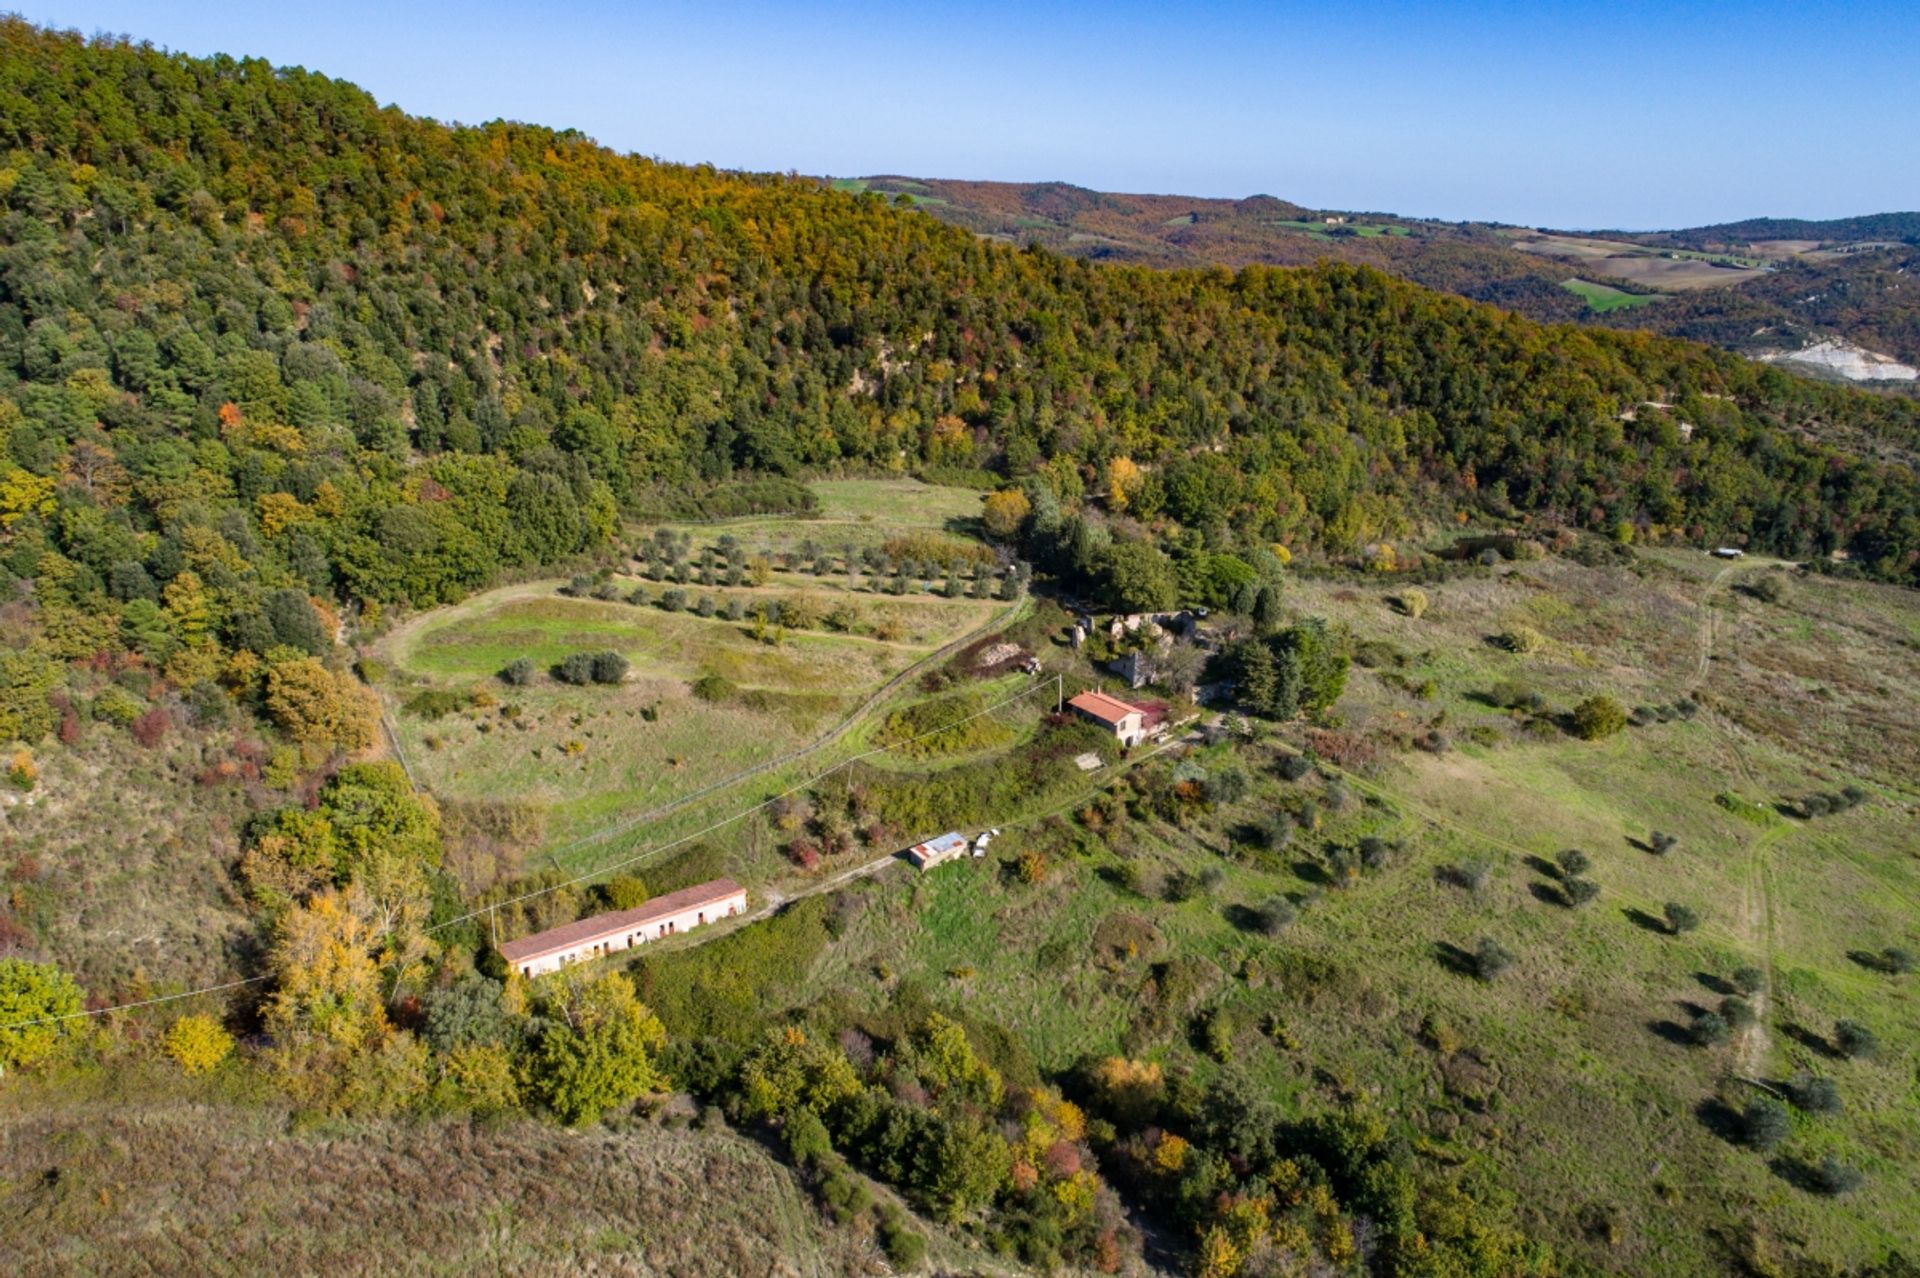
(256,329)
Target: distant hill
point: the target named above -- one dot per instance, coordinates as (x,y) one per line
(1756,287)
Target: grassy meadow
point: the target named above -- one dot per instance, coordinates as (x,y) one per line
(1571,1076)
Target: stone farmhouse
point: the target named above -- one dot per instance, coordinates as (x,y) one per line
(1129,723)
(605,934)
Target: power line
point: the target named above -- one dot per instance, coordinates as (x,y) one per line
(581,878)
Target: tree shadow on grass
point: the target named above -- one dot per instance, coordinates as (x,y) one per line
(1312,872)
(1718,984)
(1550,894)
(1641,845)
(1816,1043)
(1798,1172)
(1456,960)
(1245,918)
(1540,865)
(1720,1118)
(1672,1031)
(1640,918)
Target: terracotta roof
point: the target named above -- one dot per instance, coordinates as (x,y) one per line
(1102,707)
(586,931)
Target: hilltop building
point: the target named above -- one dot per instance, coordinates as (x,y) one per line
(604,934)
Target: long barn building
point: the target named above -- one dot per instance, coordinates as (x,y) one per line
(605,934)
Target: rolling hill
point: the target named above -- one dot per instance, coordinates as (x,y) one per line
(1763,286)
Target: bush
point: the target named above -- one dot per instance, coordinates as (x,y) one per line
(1661,843)
(1764,1124)
(1574,863)
(1854,1040)
(150,729)
(1294,767)
(1490,959)
(577,669)
(1412,602)
(638,596)
(905,1246)
(609,667)
(517,673)
(624,892)
(715,688)
(1737,1012)
(1579,891)
(1814,1094)
(1833,1177)
(1680,918)
(673,600)
(1598,717)
(1274,916)
(434,703)
(1708,1028)
(116,705)
(198,1043)
(1521,639)
(1749,980)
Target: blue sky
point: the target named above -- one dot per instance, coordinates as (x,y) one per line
(1579,114)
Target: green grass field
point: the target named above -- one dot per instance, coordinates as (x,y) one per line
(1602,298)
(1568,1078)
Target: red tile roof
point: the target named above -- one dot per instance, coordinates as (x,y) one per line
(588,930)
(1110,710)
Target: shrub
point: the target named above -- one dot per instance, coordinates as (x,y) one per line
(1579,891)
(673,600)
(1852,1039)
(905,1246)
(434,703)
(1294,767)
(1598,717)
(116,705)
(150,729)
(1661,843)
(715,688)
(1032,866)
(1833,1177)
(517,673)
(609,667)
(1749,980)
(1708,1028)
(1763,1124)
(1814,1094)
(1737,1012)
(1412,602)
(580,587)
(1680,918)
(1521,639)
(21,770)
(1274,916)
(1490,959)
(1896,960)
(625,892)
(577,669)
(198,1043)
(706,607)
(1574,863)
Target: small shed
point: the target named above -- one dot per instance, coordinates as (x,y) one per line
(944,847)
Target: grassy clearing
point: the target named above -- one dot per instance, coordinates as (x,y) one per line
(1602,298)
(857,512)
(588,755)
